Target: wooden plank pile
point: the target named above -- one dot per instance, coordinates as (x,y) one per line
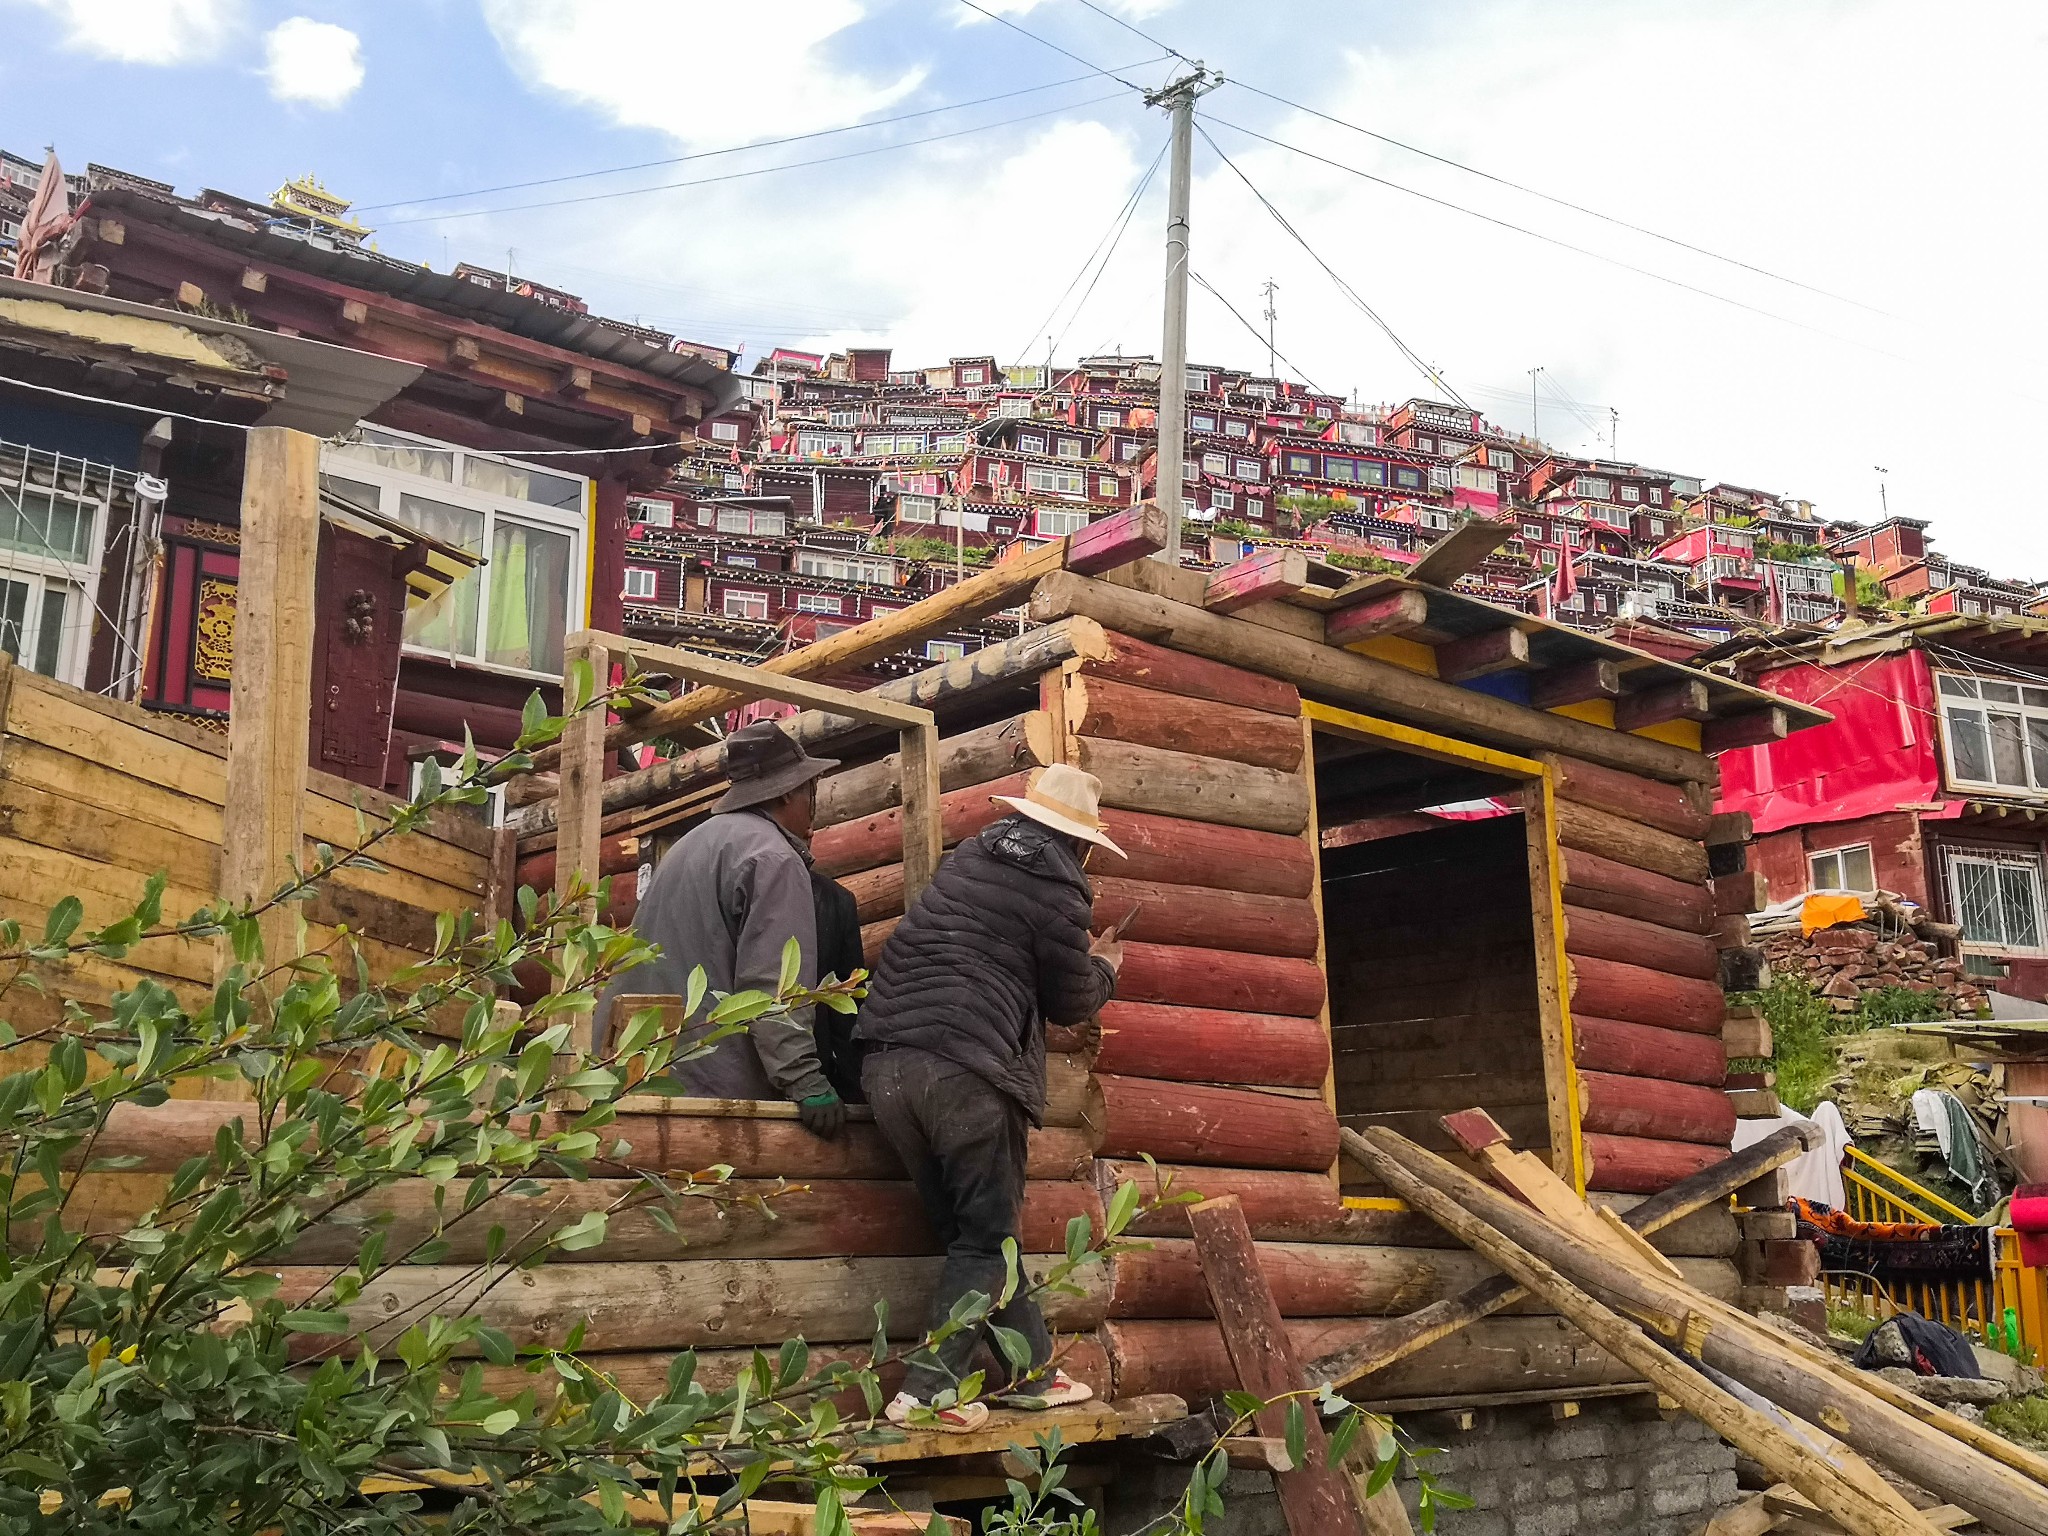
(1814,1422)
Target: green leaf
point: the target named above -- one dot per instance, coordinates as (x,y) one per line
(1242,1405)
(1122,1206)
(306,1321)
(1341,1438)
(586,1232)
(503,1422)
(792,967)
(1297,1433)
(63,921)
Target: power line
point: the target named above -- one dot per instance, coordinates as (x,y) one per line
(737,149)
(764,170)
(1112,237)
(1046,42)
(1257,335)
(1613,261)
(1502,181)
(1435,378)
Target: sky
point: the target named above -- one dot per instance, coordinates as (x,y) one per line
(1779,243)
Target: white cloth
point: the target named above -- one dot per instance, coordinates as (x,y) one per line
(1815,1175)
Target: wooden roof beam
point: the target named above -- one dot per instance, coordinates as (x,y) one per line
(1557,687)
(1393,613)
(1756,729)
(1261,578)
(1686,700)
(1480,655)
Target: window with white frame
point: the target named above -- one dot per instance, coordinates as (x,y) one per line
(1190,471)
(1233,428)
(772,521)
(1068,448)
(1246,469)
(1055,482)
(1109,418)
(1201,423)
(745,605)
(1105,485)
(917,509)
(1500,458)
(654,511)
(1996,733)
(1215,464)
(1631,493)
(725,431)
(1222,501)
(1532,531)
(1057,522)
(1841,869)
(944,650)
(1254,508)
(1656,527)
(1996,897)
(1595,486)
(842,416)
(876,572)
(819,602)
(973,375)
(1437,520)
(640,584)
(33,613)
(514,611)
(1130,450)
(1031,445)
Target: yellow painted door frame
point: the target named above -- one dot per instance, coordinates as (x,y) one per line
(1553,974)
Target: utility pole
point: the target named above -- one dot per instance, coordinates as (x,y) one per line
(1535,424)
(1269,288)
(1884,504)
(1179,99)
(1614,432)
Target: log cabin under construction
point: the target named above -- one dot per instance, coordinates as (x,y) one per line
(1393,852)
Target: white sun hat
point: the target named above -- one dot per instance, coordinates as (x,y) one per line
(1067,800)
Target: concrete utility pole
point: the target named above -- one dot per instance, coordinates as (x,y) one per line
(1884,502)
(1614,432)
(1269,288)
(1179,99)
(1535,425)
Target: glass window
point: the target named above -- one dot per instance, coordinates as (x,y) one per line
(1215,464)
(1058,482)
(818,602)
(944,650)
(1410,478)
(1631,493)
(640,583)
(1109,418)
(1247,469)
(447,620)
(56,526)
(1997,899)
(651,510)
(1842,869)
(725,431)
(1222,501)
(1300,464)
(1997,735)
(407,457)
(746,605)
(32,622)
(495,477)
(529,596)
(1057,522)
(1031,445)
(1201,423)
(1236,429)
(1345,470)
(1069,448)
(1500,458)
(1130,450)
(1105,485)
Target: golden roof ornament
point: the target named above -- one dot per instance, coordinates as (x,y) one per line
(305,198)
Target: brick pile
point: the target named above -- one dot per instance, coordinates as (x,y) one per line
(1841,964)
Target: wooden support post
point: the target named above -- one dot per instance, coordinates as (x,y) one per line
(922,835)
(578,833)
(269,737)
(1553,985)
(1313,1497)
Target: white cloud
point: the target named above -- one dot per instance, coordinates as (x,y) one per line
(706,74)
(314,62)
(146,31)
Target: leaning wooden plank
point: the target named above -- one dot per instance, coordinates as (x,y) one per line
(1346,677)
(1116,540)
(1461,550)
(1745,1350)
(1425,1326)
(1314,1497)
(1746,1428)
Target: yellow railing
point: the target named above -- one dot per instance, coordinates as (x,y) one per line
(1877,1193)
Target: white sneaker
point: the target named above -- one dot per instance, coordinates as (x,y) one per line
(907,1412)
(1062,1390)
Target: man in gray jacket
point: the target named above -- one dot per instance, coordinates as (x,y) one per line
(728,897)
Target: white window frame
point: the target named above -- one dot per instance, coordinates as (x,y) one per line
(1106,485)
(1827,869)
(1223,501)
(1954,691)
(652,584)
(1068,448)
(820,602)
(394,484)
(1500,458)
(740,603)
(725,431)
(1215,463)
(1246,469)
(1631,493)
(944,650)
(1031,445)
(74,634)
(1057,522)
(1048,481)
(1999,859)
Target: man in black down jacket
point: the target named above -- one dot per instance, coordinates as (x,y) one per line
(994,949)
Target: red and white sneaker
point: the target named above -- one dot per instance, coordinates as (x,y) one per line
(1061,1389)
(907,1412)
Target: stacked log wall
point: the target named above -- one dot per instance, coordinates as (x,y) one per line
(97,795)
(1644,976)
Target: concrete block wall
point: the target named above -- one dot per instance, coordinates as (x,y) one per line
(1617,1468)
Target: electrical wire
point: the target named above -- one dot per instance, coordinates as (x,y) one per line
(763,170)
(1117,222)
(1046,42)
(740,149)
(1257,335)
(1130,208)
(1565,245)
(1429,373)
(1501,181)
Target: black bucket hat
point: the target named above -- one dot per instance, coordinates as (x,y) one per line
(765,763)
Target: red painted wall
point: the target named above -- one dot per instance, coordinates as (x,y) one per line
(1898,853)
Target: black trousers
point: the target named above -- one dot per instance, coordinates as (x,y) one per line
(963,1143)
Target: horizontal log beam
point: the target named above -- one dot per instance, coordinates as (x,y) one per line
(1608,885)
(1164,783)
(1684,700)
(1612,1105)
(1395,613)
(1126,659)
(1118,539)
(1212,1045)
(869,841)
(1177,850)
(1114,711)
(1191,1123)
(1612,989)
(1218,978)
(1666,807)
(1610,936)
(1494,650)
(1557,687)
(1645,1050)
(1344,677)
(1759,728)
(992,751)
(1258,578)
(1630,842)
(1210,919)
(1643,1165)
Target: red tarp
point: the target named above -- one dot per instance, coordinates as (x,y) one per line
(1878,754)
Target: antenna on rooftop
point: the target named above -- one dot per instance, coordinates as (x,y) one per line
(1269,288)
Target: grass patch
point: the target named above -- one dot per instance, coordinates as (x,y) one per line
(1803,1029)
(1851,1323)
(2023,1420)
